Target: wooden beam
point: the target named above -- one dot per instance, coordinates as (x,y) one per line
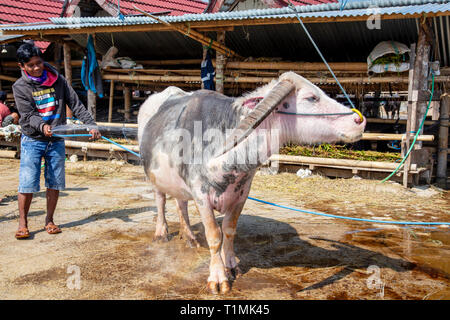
(187,31)
(13,64)
(213,24)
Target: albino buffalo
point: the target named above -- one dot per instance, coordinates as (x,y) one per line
(206,147)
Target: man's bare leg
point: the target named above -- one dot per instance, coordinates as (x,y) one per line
(24,200)
(52,201)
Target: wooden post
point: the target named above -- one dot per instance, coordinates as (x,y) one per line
(407,141)
(220,63)
(57,56)
(68,72)
(92,104)
(205,51)
(419,90)
(441,170)
(127,103)
(111,101)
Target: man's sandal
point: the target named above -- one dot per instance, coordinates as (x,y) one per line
(52,228)
(22,233)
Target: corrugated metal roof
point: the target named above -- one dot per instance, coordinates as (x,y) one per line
(330,10)
(339,41)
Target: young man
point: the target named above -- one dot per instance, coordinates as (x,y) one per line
(7,116)
(41,96)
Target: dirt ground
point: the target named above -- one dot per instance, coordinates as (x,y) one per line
(107,214)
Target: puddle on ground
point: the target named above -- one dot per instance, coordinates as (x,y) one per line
(428,248)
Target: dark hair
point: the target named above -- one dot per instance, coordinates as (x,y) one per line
(26,52)
(2,96)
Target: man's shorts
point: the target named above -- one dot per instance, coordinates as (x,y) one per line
(31,153)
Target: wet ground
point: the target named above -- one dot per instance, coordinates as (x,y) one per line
(108,215)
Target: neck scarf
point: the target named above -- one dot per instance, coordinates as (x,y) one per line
(40,79)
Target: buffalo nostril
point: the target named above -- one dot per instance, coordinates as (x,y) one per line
(358,120)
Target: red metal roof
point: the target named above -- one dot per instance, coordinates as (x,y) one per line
(26,11)
(176,7)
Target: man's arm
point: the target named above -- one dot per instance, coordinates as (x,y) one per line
(27,109)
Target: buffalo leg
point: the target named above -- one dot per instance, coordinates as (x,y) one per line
(217,275)
(161,232)
(185,226)
(229,225)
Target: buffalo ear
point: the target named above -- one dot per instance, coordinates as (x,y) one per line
(265,107)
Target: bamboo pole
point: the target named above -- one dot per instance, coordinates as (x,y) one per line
(441,170)
(114,124)
(245,79)
(304,66)
(99,146)
(8,78)
(393,136)
(335,162)
(68,72)
(187,31)
(394,121)
(111,101)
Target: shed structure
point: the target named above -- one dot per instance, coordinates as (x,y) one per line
(255,43)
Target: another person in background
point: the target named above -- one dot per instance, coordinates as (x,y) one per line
(7,116)
(41,96)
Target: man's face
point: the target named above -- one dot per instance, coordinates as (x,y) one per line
(34,67)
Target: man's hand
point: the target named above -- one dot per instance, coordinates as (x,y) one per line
(47,130)
(95,134)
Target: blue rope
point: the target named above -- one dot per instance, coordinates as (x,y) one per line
(278,205)
(293,8)
(349,218)
(104,138)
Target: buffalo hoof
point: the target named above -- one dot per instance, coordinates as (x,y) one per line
(191,242)
(213,287)
(160,239)
(225,287)
(233,273)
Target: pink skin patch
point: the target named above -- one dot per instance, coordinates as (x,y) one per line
(252,102)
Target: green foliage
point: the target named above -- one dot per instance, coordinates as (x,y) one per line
(338,152)
(397,59)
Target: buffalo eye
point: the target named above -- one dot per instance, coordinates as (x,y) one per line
(313,99)
(286,105)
